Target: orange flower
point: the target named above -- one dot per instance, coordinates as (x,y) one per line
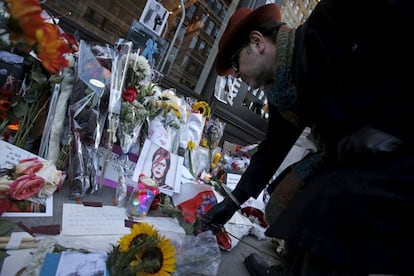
(25,19)
(51,48)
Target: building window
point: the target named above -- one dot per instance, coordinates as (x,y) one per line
(185,61)
(201,47)
(191,11)
(218,7)
(210,3)
(193,42)
(206,51)
(94,18)
(210,27)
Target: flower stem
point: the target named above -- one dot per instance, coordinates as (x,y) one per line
(26,126)
(190,162)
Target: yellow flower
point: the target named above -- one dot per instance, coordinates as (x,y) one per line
(168,257)
(204,142)
(202,107)
(191,145)
(168,105)
(164,252)
(216,158)
(143,252)
(137,230)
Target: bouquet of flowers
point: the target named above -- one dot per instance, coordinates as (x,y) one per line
(28,184)
(142,252)
(133,112)
(88,111)
(199,114)
(26,33)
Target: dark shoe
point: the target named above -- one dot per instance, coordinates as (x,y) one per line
(258,267)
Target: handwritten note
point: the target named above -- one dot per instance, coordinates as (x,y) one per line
(10,154)
(83,220)
(232,179)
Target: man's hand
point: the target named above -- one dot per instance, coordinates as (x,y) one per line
(219,214)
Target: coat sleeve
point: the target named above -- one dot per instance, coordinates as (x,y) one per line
(280,137)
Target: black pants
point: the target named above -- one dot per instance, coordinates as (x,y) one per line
(302,263)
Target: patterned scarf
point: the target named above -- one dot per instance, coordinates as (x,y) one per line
(282,93)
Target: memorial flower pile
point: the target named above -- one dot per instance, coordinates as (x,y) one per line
(142,252)
(28,184)
(38,49)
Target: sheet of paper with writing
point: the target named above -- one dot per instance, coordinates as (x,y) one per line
(10,154)
(84,220)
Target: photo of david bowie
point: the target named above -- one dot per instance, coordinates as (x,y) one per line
(154,16)
(161,165)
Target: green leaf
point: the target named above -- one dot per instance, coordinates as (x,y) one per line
(19,110)
(3,255)
(56,78)
(6,226)
(31,98)
(38,77)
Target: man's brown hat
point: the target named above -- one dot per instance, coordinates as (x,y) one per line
(237,32)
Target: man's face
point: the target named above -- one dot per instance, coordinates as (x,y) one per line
(254,65)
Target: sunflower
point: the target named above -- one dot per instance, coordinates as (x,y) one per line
(137,230)
(143,252)
(202,107)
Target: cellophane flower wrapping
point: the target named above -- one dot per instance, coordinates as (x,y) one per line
(88,110)
(212,134)
(119,73)
(203,259)
(166,126)
(133,112)
(192,137)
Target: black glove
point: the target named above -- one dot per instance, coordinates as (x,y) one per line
(219,214)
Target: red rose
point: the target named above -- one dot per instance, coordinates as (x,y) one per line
(129,94)
(28,166)
(26,186)
(223,240)
(5,205)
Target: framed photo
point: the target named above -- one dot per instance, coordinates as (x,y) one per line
(151,45)
(154,16)
(160,164)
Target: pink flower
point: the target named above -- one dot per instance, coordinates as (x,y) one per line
(26,186)
(28,166)
(129,94)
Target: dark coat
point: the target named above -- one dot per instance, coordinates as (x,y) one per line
(355,209)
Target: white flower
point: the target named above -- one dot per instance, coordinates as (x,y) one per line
(140,65)
(47,190)
(50,174)
(5,182)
